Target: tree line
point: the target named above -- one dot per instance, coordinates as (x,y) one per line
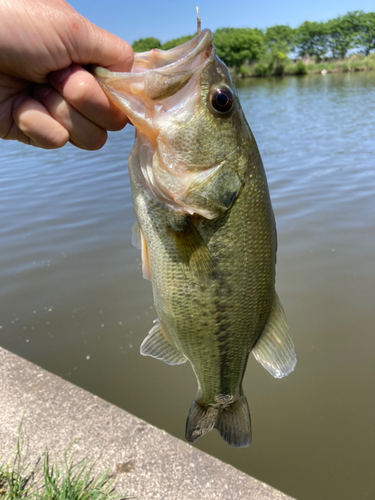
(318,40)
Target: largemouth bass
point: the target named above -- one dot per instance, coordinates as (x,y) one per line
(206,229)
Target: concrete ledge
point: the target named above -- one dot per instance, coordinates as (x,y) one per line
(147,462)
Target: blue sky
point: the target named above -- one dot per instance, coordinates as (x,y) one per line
(167,19)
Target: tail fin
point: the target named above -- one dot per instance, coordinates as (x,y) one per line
(232,422)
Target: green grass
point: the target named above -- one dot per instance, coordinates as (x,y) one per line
(47,480)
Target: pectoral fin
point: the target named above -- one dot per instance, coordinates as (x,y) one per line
(136,236)
(138,241)
(274,349)
(194,253)
(158,346)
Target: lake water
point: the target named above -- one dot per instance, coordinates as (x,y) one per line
(73,299)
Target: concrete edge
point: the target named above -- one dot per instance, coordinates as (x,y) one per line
(148,463)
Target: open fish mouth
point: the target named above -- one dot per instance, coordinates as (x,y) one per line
(156,76)
(162,93)
(185,57)
(177,59)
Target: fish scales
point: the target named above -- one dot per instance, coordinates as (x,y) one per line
(206,229)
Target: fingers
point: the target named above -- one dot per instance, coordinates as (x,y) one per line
(116,55)
(80,89)
(72,108)
(98,46)
(35,126)
(50,122)
(83,133)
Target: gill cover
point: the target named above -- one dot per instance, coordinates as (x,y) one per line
(169,98)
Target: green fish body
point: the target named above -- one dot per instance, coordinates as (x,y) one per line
(206,229)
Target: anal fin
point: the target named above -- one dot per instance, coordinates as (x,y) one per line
(274,349)
(159,347)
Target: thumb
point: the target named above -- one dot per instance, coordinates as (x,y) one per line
(94,45)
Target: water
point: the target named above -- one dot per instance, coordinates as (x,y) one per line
(73,299)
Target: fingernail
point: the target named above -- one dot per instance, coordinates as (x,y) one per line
(59,76)
(41,91)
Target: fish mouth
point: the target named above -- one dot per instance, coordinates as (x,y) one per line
(176,59)
(185,57)
(159,85)
(155,78)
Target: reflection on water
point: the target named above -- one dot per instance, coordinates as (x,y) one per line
(74,302)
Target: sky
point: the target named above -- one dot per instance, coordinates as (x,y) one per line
(167,19)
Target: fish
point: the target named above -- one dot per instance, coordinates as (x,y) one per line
(205,227)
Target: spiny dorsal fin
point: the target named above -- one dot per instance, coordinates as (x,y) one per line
(274,349)
(157,346)
(194,253)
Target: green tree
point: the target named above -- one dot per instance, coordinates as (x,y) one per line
(342,33)
(365,38)
(236,45)
(177,41)
(311,39)
(280,38)
(145,44)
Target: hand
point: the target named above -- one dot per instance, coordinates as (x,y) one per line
(46,97)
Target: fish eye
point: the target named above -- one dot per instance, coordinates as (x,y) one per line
(222,99)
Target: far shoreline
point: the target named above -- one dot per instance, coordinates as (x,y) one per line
(286,67)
